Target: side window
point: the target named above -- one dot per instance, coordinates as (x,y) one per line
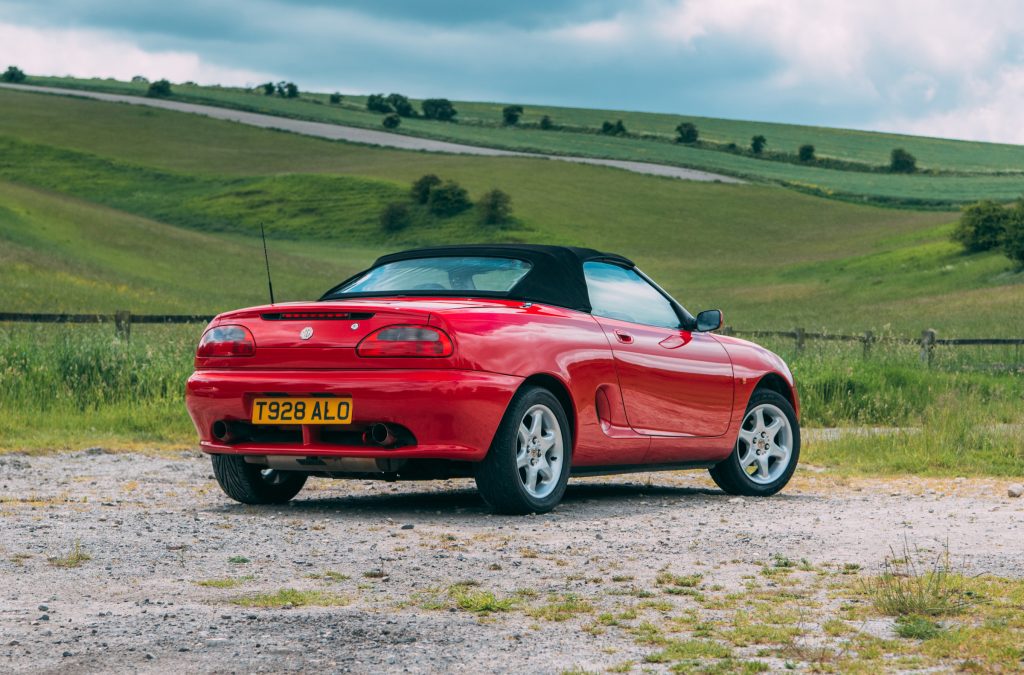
(619,293)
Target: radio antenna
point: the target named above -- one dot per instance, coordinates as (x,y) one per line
(266,259)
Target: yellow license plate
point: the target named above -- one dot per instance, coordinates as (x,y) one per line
(302,411)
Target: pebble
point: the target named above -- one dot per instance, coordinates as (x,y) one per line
(1015,490)
(408,526)
(43,608)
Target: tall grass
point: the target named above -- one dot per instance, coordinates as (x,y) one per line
(78,386)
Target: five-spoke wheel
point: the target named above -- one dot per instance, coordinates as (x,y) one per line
(766,451)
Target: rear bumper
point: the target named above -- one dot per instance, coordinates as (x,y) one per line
(453,414)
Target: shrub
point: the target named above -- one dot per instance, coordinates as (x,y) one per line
(422,187)
(268,88)
(546,123)
(13,74)
(687,132)
(982,226)
(391,121)
(902,161)
(378,103)
(159,88)
(334,98)
(757,144)
(495,208)
(394,217)
(1013,238)
(448,199)
(510,114)
(439,109)
(400,104)
(806,153)
(617,129)
(140,79)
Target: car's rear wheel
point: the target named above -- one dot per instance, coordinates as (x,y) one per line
(254,484)
(766,451)
(527,466)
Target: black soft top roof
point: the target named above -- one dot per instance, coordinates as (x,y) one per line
(555,278)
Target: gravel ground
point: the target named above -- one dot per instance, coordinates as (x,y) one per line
(338,132)
(156,524)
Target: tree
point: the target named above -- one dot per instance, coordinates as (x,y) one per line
(448,199)
(806,153)
(616,129)
(1013,237)
(268,88)
(394,217)
(439,109)
(391,121)
(378,103)
(289,90)
(495,208)
(13,74)
(160,88)
(510,114)
(422,187)
(687,132)
(546,123)
(140,79)
(902,161)
(400,104)
(757,144)
(334,98)
(982,226)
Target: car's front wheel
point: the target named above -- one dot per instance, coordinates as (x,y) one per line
(766,451)
(255,484)
(527,467)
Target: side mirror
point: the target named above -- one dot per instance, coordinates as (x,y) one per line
(709,320)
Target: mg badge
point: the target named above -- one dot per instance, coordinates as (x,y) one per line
(306,333)
(355,326)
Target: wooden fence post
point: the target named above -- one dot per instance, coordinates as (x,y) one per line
(869,337)
(799,334)
(123,324)
(726,330)
(927,345)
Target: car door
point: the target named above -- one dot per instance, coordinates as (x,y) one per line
(674,382)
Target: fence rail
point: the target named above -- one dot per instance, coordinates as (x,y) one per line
(929,339)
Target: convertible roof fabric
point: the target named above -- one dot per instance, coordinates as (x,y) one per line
(555,278)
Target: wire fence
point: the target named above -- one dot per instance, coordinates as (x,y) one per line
(123,320)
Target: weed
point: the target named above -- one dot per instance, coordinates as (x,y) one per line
(74,558)
(238,560)
(561,608)
(230,582)
(293,598)
(907,587)
(917,628)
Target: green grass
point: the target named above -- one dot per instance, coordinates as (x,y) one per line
(292,597)
(74,558)
(480,125)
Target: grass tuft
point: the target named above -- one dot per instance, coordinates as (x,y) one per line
(74,558)
(293,598)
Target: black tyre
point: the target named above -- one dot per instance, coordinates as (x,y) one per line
(767,449)
(527,466)
(254,484)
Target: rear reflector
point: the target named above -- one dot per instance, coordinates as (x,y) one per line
(226,341)
(407,341)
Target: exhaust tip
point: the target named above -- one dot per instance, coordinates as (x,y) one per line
(381,434)
(221,431)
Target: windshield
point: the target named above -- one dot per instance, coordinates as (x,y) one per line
(446,275)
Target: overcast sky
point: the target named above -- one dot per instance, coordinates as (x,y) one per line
(936,67)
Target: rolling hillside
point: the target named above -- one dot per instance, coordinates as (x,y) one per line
(953,172)
(106,206)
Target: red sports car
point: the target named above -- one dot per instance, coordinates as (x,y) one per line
(517,365)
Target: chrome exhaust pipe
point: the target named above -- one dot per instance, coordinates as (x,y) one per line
(381,434)
(227,432)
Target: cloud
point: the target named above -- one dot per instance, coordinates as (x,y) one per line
(924,66)
(94,53)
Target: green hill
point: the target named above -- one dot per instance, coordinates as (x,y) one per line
(851,163)
(106,206)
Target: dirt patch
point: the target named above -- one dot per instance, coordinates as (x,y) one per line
(139,563)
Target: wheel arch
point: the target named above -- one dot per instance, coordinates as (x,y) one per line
(778,384)
(559,391)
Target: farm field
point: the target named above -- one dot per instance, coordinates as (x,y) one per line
(106,206)
(976,170)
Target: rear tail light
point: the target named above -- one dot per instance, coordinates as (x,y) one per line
(227,341)
(415,341)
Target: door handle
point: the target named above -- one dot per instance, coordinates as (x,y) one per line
(623,337)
